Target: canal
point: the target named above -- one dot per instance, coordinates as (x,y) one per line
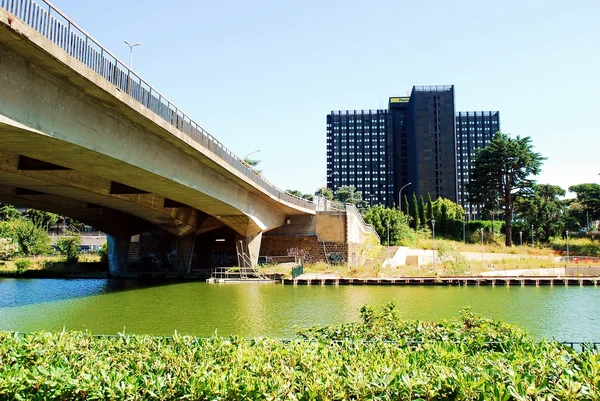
(258,310)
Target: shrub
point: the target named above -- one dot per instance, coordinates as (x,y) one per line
(31,239)
(22,265)
(68,246)
(103,253)
(8,248)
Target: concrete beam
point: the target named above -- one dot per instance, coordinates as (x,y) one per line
(97,190)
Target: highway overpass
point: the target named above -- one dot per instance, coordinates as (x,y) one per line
(82,135)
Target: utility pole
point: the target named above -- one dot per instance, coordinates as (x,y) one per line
(433,230)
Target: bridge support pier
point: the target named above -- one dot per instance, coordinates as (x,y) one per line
(254,247)
(118,253)
(185,252)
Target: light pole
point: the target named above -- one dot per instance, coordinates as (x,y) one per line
(482,247)
(465,228)
(400,196)
(251,153)
(532,235)
(567,246)
(521,237)
(131,51)
(433,231)
(387,223)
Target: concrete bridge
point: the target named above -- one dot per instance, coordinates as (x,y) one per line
(83,136)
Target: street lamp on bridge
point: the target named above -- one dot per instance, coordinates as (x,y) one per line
(131,51)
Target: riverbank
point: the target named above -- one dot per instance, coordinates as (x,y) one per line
(381,357)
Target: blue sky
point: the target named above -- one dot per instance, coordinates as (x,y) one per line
(264,74)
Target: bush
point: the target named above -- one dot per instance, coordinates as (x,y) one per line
(22,265)
(454,262)
(32,240)
(8,248)
(383,357)
(103,253)
(68,246)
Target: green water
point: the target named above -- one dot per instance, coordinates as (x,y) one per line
(252,310)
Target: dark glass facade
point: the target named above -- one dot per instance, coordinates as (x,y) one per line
(359,153)
(474,130)
(431,148)
(419,139)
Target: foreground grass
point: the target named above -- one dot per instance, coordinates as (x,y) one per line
(382,357)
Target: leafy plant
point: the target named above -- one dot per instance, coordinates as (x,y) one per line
(68,246)
(22,265)
(103,253)
(8,248)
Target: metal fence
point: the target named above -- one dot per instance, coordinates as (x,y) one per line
(58,28)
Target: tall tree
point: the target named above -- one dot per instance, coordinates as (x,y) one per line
(42,219)
(9,212)
(422,213)
(588,195)
(406,208)
(325,193)
(415,206)
(349,194)
(430,207)
(544,209)
(501,172)
(299,194)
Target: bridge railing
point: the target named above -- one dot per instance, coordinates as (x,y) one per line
(42,16)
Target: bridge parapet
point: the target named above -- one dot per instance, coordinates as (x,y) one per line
(44,18)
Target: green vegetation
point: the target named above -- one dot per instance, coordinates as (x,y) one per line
(500,174)
(22,265)
(31,239)
(8,248)
(68,246)
(382,357)
(381,218)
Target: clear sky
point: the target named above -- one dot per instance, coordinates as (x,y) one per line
(264,74)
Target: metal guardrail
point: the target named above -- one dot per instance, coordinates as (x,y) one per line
(42,16)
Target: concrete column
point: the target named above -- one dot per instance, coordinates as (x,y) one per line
(253,245)
(185,252)
(118,253)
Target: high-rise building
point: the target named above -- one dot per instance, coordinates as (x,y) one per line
(417,140)
(474,130)
(359,153)
(431,147)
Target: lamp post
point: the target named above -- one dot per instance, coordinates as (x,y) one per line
(567,246)
(465,228)
(532,235)
(131,51)
(521,237)
(433,231)
(251,153)
(400,196)
(482,247)
(387,223)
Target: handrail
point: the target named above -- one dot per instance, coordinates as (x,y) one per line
(350,207)
(46,19)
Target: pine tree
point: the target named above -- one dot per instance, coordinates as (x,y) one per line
(415,206)
(422,213)
(406,208)
(430,207)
